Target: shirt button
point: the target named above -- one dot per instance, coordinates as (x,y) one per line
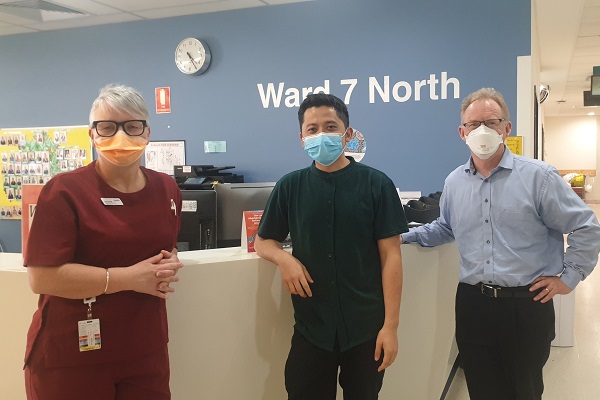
(486,200)
(486,221)
(487,262)
(328,201)
(329,255)
(487,241)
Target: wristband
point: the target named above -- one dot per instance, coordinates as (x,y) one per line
(107,280)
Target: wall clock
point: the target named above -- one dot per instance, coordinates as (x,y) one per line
(192,56)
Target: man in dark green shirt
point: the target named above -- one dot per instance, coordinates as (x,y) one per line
(345,270)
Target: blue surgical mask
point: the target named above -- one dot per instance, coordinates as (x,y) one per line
(324,148)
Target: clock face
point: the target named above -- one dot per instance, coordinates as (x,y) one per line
(192,56)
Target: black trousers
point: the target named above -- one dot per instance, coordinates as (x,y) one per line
(311,372)
(503,344)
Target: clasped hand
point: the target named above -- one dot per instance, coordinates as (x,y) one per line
(155,274)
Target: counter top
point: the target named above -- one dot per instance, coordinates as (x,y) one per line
(11,262)
(231,321)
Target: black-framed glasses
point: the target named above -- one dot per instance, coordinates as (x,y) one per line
(490,123)
(133,127)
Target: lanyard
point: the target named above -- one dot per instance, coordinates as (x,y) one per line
(89,302)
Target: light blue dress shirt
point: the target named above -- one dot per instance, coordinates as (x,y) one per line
(509,227)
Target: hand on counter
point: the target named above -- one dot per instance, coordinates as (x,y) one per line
(295,276)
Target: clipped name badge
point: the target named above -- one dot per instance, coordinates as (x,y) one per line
(89,335)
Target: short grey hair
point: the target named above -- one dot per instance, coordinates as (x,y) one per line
(123,99)
(485,94)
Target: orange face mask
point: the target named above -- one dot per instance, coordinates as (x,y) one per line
(121,149)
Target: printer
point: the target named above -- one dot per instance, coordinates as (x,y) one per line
(199,177)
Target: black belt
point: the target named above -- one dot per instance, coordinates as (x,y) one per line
(501,291)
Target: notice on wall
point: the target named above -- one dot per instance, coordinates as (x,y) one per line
(250,222)
(164,155)
(34,156)
(515,144)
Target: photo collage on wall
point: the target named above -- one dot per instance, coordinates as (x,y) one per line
(34,156)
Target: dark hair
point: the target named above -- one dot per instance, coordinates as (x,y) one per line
(327,100)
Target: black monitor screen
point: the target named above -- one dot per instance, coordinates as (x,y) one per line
(198,220)
(232,200)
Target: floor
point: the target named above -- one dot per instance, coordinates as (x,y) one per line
(572,373)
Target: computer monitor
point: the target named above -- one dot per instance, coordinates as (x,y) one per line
(198,220)
(232,200)
(595,85)
(589,100)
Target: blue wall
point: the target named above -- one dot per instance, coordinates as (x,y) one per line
(51,78)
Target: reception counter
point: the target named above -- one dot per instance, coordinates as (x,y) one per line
(231,321)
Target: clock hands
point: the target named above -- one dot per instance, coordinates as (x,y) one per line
(192,59)
(192,56)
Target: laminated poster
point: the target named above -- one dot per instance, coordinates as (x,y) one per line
(31,193)
(250,222)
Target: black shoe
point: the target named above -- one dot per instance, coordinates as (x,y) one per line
(436,195)
(430,201)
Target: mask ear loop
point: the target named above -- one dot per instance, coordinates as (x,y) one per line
(346,135)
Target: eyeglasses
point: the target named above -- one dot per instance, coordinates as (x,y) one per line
(134,127)
(490,123)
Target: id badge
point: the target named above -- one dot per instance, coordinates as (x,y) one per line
(89,335)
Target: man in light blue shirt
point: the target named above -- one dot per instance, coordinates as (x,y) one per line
(508,215)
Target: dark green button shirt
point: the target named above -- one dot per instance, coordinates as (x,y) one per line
(334,221)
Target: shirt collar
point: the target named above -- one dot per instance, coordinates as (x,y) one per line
(508,159)
(314,168)
(506,162)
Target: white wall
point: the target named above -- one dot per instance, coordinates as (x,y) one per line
(524,118)
(568,143)
(571,143)
(528,81)
(594,195)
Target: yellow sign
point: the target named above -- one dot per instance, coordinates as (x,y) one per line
(515,144)
(33,156)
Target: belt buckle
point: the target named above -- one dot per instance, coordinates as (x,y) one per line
(490,291)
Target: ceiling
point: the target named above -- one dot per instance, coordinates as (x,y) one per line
(568,31)
(569,39)
(22,16)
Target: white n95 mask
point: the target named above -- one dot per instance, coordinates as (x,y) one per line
(484,141)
